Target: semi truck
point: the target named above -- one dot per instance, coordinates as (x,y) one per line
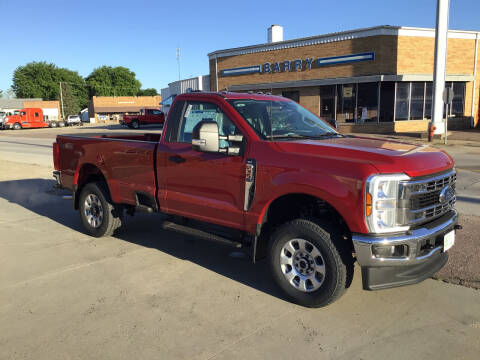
(27,119)
(263,174)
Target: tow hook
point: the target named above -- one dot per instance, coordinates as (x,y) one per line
(458,227)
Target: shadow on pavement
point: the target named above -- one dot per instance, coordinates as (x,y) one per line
(39,196)
(468,199)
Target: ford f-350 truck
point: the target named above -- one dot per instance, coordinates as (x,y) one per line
(261,172)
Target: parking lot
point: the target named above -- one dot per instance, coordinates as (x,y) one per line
(150,293)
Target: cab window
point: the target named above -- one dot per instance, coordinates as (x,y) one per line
(196,111)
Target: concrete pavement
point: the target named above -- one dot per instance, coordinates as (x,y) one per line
(152,294)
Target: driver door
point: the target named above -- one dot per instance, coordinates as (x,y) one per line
(204,186)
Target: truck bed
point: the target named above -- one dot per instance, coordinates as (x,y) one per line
(125,161)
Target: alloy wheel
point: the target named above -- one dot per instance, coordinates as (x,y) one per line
(302,265)
(93,210)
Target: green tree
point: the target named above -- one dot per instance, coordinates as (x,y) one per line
(71,105)
(112,81)
(147,92)
(42,80)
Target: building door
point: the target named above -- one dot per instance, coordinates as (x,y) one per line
(327,102)
(346,103)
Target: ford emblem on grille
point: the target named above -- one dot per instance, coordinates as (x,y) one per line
(446,195)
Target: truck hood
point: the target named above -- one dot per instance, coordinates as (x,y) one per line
(12,119)
(385,156)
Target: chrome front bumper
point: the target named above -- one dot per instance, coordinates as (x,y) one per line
(413,239)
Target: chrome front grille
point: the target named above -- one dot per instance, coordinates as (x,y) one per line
(422,200)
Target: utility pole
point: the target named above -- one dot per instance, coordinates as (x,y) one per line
(178,61)
(61,102)
(441,37)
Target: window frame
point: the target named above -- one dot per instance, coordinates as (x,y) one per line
(180,119)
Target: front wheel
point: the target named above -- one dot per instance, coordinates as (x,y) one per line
(17,126)
(99,215)
(309,264)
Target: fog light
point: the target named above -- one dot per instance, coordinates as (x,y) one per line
(390,251)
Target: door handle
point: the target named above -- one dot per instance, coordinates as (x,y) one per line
(176,159)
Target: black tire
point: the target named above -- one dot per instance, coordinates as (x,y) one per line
(135,124)
(335,259)
(111,213)
(53,124)
(62,124)
(17,126)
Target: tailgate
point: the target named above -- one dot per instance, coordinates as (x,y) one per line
(127,165)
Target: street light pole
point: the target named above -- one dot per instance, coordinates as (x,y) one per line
(61,102)
(441,36)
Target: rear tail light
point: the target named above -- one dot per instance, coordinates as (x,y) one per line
(56,156)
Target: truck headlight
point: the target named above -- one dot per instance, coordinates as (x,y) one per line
(381,203)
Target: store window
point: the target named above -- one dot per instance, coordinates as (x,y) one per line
(292,95)
(417,100)
(346,101)
(402,101)
(458,103)
(367,102)
(428,100)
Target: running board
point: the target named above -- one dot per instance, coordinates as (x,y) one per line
(187,230)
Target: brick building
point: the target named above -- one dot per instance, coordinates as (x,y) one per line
(105,108)
(370,80)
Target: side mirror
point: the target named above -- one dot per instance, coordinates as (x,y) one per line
(205,137)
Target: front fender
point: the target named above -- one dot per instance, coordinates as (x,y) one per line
(343,193)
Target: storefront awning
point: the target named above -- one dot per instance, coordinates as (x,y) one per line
(346,80)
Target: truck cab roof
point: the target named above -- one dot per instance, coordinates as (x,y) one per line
(233,95)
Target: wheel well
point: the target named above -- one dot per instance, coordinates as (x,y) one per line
(294,206)
(87,174)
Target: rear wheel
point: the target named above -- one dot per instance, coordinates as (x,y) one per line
(53,124)
(17,126)
(135,124)
(99,215)
(308,263)
(61,124)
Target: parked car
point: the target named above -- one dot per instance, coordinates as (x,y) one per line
(73,120)
(146,117)
(3,115)
(260,172)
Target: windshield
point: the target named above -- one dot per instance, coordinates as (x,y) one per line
(281,119)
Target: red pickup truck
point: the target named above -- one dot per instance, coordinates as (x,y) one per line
(146,117)
(262,173)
